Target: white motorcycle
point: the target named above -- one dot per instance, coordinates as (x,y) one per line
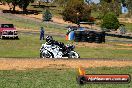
(54,51)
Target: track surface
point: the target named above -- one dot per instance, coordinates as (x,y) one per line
(23,64)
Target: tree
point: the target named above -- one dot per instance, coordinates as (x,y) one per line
(23,4)
(108,1)
(47,16)
(76,11)
(129,5)
(109,6)
(61,2)
(14,3)
(122,1)
(110,21)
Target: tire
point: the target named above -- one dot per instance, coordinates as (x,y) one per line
(98,41)
(73,54)
(83,39)
(90,40)
(16,38)
(77,39)
(3,37)
(46,54)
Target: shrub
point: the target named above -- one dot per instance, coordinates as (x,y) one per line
(110,21)
(75,11)
(47,16)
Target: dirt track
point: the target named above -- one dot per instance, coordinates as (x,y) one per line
(22,64)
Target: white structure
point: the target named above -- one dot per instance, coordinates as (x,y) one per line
(91,1)
(87,1)
(124,9)
(47,1)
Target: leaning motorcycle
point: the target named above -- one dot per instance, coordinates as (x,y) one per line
(54,51)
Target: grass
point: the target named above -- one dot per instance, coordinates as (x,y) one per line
(25,23)
(104,53)
(57,78)
(128,26)
(29,45)
(56,11)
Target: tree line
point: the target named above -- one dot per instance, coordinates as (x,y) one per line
(107,10)
(77,11)
(23,4)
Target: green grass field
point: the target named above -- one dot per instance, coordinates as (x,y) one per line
(32,24)
(29,45)
(128,26)
(57,78)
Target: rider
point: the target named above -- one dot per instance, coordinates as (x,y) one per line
(50,41)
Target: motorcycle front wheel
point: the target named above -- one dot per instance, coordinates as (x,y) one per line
(73,54)
(46,54)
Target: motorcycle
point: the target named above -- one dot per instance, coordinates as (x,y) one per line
(54,51)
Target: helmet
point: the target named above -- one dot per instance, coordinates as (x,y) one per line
(49,39)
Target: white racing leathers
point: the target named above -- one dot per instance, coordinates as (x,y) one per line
(54,51)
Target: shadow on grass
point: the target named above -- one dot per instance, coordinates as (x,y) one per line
(35,12)
(10,38)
